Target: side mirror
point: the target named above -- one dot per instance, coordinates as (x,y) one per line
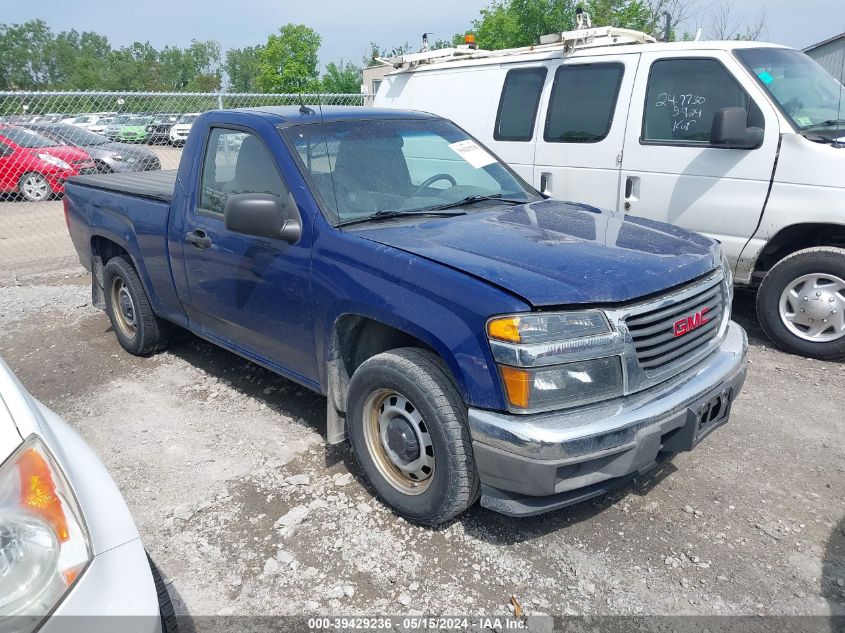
(729,130)
(263,215)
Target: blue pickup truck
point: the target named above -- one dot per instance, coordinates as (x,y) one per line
(473,338)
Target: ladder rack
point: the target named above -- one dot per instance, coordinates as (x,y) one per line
(564,42)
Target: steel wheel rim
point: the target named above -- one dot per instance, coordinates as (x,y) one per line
(123,308)
(812,307)
(35,187)
(384,411)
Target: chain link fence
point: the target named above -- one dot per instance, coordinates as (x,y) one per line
(48,137)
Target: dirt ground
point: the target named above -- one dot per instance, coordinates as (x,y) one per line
(247,511)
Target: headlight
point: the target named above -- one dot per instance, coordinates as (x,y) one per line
(149,128)
(116,157)
(557,360)
(44,545)
(568,385)
(58,162)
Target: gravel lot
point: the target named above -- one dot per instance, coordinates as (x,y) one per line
(247,511)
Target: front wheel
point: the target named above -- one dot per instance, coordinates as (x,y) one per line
(801,303)
(407,425)
(34,187)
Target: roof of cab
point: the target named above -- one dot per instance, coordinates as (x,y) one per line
(290,115)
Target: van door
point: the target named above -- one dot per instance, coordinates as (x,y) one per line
(582,128)
(672,172)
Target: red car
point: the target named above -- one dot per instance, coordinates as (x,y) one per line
(36,167)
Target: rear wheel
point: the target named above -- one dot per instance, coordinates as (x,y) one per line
(801,303)
(34,187)
(407,426)
(139,331)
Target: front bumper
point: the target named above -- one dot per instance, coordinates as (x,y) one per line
(536,463)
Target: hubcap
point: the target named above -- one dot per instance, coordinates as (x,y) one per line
(123,308)
(35,187)
(399,441)
(813,307)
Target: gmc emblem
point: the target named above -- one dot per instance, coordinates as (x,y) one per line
(692,322)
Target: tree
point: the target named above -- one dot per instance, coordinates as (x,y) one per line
(241,67)
(26,55)
(342,78)
(384,53)
(724,25)
(288,62)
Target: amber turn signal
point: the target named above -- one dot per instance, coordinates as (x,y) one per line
(505,329)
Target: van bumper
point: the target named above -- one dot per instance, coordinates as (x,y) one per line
(530,464)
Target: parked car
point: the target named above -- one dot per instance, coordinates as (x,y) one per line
(158,131)
(179,131)
(107,155)
(36,167)
(112,130)
(100,126)
(69,548)
(134,130)
(739,140)
(472,337)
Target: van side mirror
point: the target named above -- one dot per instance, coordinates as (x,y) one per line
(263,215)
(730,132)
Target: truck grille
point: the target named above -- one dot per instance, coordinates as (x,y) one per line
(678,331)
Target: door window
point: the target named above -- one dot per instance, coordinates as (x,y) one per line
(684,95)
(236,162)
(518,104)
(583,102)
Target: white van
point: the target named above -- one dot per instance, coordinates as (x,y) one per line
(738,140)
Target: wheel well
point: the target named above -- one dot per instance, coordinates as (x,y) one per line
(105,249)
(102,250)
(795,238)
(355,339)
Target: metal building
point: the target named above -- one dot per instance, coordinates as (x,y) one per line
(831,55)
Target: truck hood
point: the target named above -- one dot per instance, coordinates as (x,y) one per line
(553,253)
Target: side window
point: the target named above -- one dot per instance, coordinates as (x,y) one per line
(5,150)
(236,162)
(684,95)
(582,103)
(518,104)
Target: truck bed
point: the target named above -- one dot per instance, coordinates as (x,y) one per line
(154,185)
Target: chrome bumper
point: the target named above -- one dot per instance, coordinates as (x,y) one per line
(568,453)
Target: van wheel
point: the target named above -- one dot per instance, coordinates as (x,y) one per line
(407,425)
(139,331)
(801,303)
(34,187)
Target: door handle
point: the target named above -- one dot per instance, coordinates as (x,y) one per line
(632,191)
(545,182)
(629,188)
(198,239)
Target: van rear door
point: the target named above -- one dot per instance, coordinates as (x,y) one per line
(581,128)
(671,171)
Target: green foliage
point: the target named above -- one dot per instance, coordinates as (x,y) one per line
(342,78)
(242,68)
(288,62)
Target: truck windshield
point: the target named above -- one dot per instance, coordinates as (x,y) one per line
(376,168)
(806,93)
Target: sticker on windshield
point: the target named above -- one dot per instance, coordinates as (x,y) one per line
(765,77)
(803,120)
(472,153)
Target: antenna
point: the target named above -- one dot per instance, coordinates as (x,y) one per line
(425,47)
(303,109)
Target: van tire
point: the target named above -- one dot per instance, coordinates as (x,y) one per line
(422,381)
(167,614)
(822,261)
(138,330)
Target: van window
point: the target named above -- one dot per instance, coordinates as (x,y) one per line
(519,104)
(684,95)
(236,162)
(582,103)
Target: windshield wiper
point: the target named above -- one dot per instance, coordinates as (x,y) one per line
(387,215)
(473,199)
(828,123)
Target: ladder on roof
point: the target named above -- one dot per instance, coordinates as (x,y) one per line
(566,41)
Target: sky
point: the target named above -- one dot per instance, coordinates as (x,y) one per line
(348,26)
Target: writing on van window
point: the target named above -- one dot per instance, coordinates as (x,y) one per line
(686,108)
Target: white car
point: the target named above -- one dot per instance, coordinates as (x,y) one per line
(68,544)
(180,130)
(742,141)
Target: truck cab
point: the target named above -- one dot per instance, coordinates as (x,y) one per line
(738,140)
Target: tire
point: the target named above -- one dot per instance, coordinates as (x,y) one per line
(139,331)
(419,379)
(34,187)
(169,623)
(823,268)
(103,168)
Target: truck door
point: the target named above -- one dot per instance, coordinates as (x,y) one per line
(670,169)
(251,293)
(582,129)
